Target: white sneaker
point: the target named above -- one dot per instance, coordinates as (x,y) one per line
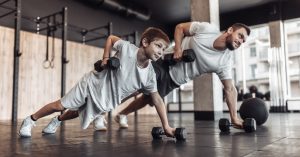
(52,126)
(26,126)
(122,120)
(100,123)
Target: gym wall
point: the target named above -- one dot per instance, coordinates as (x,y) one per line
(37,85)
(6,71)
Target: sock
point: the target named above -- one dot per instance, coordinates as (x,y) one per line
(32,118)
(58,118)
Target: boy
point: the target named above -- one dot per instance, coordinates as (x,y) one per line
(99,92)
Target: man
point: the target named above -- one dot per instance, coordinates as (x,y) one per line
(213,51)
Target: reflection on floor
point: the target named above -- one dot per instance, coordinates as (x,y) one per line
(279,137)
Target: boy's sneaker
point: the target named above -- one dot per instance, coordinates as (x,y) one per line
(100,123)
(26,126)
(122,120)
(52,126)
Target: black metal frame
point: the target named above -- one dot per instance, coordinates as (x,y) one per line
(133,34)
(17,54)
(64,60)
(107,27)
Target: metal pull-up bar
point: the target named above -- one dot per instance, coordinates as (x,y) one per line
(107,28)
(64,31)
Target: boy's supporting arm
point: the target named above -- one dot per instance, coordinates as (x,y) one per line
(161,110)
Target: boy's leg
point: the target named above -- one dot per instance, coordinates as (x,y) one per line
(29,122)
(56,121)
(55,106)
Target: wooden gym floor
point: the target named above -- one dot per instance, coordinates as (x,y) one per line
(278,137)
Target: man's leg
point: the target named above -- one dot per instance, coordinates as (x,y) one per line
(137,104)
(68,115)
(100,122)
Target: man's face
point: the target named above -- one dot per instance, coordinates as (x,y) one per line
(236,38)
(155,49)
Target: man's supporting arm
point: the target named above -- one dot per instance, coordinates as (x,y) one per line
(231,100)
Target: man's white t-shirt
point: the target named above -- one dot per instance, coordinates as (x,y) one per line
(99,92)
(208,59)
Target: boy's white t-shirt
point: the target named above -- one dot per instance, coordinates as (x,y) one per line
(208,59)
(104,90)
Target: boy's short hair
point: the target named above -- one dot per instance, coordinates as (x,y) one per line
(241,25)
(153,33)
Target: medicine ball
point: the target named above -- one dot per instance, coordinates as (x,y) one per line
(254,108)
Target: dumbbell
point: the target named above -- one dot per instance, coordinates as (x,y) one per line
(158,133)
(249,125)
(112,63)
(187,56)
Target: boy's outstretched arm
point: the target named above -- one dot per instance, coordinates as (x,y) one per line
(110,41)
(161,110)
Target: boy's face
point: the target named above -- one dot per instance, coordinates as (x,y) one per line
(154,50)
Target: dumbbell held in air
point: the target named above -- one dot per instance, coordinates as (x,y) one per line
(158,133)
(249,125)
(112,63)
(188,55)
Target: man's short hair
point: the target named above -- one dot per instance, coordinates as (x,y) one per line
(153,33)
(241,25)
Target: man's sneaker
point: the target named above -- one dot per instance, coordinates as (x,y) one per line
(122,120)
(100,123)
(26,126)
(52,126)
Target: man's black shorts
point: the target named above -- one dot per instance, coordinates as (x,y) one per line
(165,84)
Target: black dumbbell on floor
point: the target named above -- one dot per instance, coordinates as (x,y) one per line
(187,56)
(112,63)
(249,125)
(158,133)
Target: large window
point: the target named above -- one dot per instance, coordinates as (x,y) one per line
(251,66)
(252,51)
(292,35)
